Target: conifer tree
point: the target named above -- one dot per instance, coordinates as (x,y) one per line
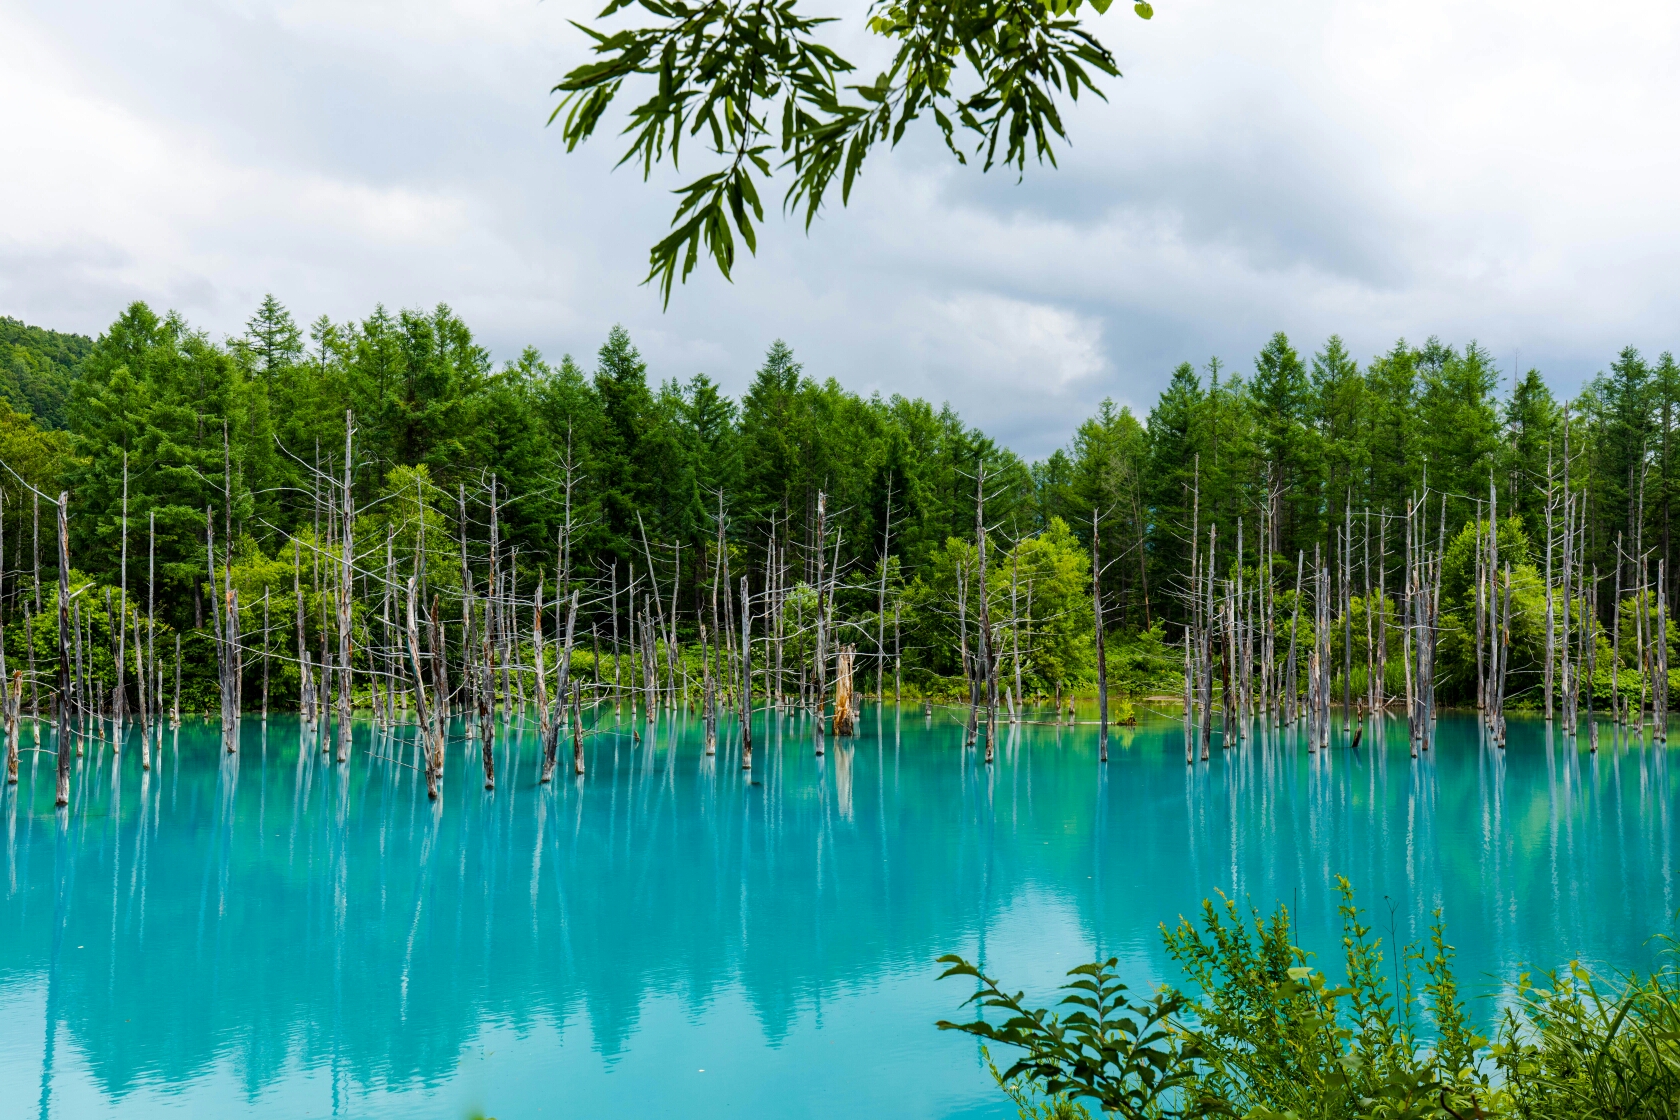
(1280,392)
(272,340)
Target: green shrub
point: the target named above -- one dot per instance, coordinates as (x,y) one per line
(1264,1035)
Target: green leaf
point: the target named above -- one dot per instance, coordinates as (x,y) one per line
(1143,9)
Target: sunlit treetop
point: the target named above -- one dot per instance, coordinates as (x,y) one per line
(752,86)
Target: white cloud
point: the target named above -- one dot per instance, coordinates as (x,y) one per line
(1478,169)
(1033,347)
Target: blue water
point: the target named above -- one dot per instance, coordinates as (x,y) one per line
(270,934)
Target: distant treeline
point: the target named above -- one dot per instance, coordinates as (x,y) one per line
(36,369)
(249,425)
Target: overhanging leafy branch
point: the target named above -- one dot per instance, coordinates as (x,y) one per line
(744,77)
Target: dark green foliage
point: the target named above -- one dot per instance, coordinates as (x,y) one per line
(1173,470)
(625,472)
(162,396)
(272,341)
(1533,439)
(1284,439)
(1101,474)
(431,410)
(1391,408)
(1458,421)
(36,369)
(1339,404)
(1300,442)
(1142,664)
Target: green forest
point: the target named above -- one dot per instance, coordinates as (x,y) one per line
(533,476)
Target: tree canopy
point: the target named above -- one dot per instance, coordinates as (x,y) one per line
(248,427)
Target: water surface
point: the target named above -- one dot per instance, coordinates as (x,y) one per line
(270,934)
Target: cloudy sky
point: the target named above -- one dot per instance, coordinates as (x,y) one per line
(1487,169)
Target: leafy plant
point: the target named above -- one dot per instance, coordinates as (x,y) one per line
(1279,1040)
(1123,1054)
(1265,1037)
(1576,1048)
(1030,1104)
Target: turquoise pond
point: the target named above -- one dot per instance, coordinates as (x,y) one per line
(270,934)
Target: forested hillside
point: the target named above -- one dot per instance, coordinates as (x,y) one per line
(37,367)
(451,446)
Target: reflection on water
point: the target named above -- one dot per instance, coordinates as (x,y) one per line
(269,933)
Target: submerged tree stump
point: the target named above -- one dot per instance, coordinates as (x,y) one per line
(63,697)
(845,703)
(577,728)
(487,737)
(14,702)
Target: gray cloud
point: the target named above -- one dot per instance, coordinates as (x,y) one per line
(1481,170)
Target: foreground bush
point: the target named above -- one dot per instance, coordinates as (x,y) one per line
(1263,1035)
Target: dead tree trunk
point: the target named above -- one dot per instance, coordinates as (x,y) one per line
(577,729)
(119,712)
(1206,668)
(550,740)
(265,661)
(1347,614)
(306,681)
(430,734)
(1291,696)
(1617,716)
(1189,708)
(881,607)
(845,713)
(140,695)
(970,673)
(1589,616)
(63,797)
(1548,672)
(1659,700)
(1102,655)
(543,715)
(482,688)
(821,665)
(708,692)
(346,585)
(221,631)
(746,681)
(14,701)
(987,678)
(1504,654)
